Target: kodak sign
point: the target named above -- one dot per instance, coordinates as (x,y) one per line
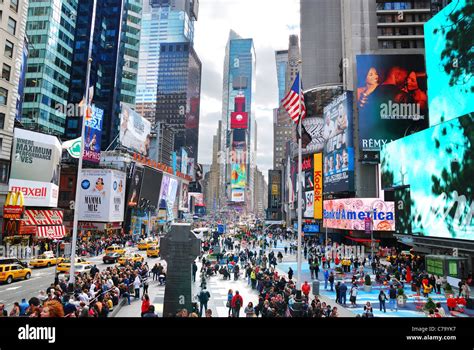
(318,186)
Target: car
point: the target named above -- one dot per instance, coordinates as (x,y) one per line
(115,249)
(111,258)
(78,269)
(11,272)
(45,260)
(145,243)
(10,261)
(131,259)
(153,251)
(65,265)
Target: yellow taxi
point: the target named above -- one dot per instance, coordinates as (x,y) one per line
(131,259)
(153,251)
(115,249)
(45,260)
(11,272)
(65,265)
(145,244)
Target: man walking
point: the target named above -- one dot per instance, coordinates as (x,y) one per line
(326,278)
(236,304)
(392,294)
(331,281)
(195,268)
(342,293)
(203,298)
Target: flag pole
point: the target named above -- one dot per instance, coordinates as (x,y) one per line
(300,171)
(72,277)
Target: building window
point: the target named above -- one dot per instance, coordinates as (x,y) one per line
(4,167)
(6,72)
(3,96)
(14,5)
(11,26)
(9,49)
(2,120)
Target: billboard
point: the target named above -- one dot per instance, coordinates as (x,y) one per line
(239,120)
(183,200)
(151,185)
(350,213)
(133,186)
(308,187)
(339,148)
(239,166)
(238,195)
(35,168)
(93,135)
(449,65)
(134,131)
(391,98)
(274,178)
(198,199)
(184,161)
(165,184)
(431,173)
(102,195)
(318,185)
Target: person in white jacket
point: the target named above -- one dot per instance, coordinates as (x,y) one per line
(136,285)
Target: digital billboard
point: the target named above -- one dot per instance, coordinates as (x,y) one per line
(35,168)
(338,171)
(238,195)
(165,184)
(350,213)
(308,187)
(318,185)
(449,64)
(183,200)
(93,135)
(435,168)
(133,186)
(134,131)
(391,98)
(274,178)
(151,185)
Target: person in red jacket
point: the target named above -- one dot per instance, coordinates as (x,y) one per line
(306,288)
(236,304)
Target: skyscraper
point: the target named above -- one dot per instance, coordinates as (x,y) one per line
(169,72)
(114,61)
(238,137)
(12,62)
(50,32)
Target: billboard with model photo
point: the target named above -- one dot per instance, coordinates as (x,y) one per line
(391,98)
(151,185)
(35,167)
(338,172)
(134,131)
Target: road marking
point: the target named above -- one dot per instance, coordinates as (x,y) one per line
(12,288)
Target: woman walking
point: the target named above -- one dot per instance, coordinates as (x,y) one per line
(230,295)
(353,294)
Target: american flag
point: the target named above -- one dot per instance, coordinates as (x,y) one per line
(294,101)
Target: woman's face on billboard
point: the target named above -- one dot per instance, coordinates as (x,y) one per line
(372,77)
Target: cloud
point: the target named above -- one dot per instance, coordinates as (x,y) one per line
(269,23)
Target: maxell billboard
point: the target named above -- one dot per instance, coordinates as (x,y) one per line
(35,168)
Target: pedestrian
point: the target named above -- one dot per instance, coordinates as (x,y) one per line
(342,293)
(306,288)
(203,298)
(382,299)
(136,285)
(331,280)
(236,304)
(195,268)
(439,282)
(23,307)
(338,292)
(392,294)
(3,312)
(208,313)
(154,271)
(353,294)
(368,310)
(290,273)
(249,310)
(150,312)
(326,278)
(145,283)
(145,304)
(15,310)
(230,296)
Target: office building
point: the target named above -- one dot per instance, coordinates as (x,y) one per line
(14,52)
(50,32)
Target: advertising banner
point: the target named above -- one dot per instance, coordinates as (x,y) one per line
(172,192)
(308,204)
(151,186)
(198,199)
(350,214)
(35,168)
(134,131)
(239,120)
(184,161)
(183,201)
(102,196)
(274,177)
(238,195)
(339,148)
(93,135)
(318,185)
(391,97)
(133,187)
(165,184)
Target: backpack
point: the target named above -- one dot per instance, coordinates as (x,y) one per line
(237,303)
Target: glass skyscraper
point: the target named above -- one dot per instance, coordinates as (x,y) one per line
(114,68)
(238,144)
(50,32)
(281,58)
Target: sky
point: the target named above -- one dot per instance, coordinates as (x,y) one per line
(269,23)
